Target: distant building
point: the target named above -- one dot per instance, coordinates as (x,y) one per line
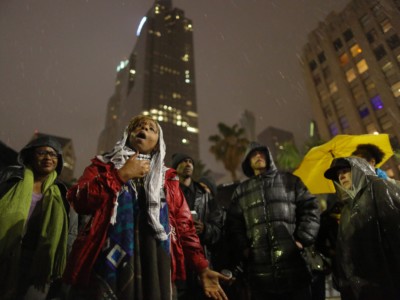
(158,80)
(275,138)
(248,123)
(67,174)
(352,70)
(8,156)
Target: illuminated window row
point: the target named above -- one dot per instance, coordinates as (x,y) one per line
(168,113)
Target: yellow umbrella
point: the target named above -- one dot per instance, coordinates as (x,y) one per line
(318,159)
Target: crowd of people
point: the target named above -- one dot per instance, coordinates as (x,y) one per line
(133,228)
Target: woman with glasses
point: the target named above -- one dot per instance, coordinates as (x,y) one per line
(33,222)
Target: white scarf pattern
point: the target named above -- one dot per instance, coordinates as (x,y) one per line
(153,182)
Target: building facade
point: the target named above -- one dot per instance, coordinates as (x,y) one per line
(158,80)
(352,70)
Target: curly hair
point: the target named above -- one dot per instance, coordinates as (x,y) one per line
(368,152)
(135,121)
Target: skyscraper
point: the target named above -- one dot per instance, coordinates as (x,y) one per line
(158,80)
(352,70)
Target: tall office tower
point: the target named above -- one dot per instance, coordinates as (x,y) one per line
(352,70)
(248,123)
(158,80)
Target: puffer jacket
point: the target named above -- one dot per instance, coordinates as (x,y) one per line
(368,243)
(269,212)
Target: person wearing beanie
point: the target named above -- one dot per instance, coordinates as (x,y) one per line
(367,259)
(207,218)
(141,234)
(33,222)
(271,219)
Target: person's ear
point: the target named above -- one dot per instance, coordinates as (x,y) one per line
(372,162)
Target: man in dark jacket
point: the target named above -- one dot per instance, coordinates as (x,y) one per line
(271,218)
(368,241)
(207,218)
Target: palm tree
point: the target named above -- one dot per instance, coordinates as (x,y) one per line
(229,147)
(288,158)
(200,170)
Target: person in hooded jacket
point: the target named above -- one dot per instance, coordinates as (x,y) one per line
(33,222)
(141,232)
(271,218)
(368,241)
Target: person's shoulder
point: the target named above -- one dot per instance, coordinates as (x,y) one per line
(170,174)
(14,171)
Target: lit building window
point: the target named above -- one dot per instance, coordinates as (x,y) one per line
(386,25)
(355,50)
(333,129)
(371,128)
(363,111)
(388,69)
(344,59)
(396,89)
(333,87)
(362,66)
(192,129)
(350,75)
(185,57)
(376,102)
(185,141)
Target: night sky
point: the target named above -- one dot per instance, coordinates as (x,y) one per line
(58,63)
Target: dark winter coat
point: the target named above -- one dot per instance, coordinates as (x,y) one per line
(269,212)
(368,241)
(209,213)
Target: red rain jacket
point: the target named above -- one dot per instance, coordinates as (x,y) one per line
(95,194)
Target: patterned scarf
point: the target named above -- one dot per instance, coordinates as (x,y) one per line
(153,182)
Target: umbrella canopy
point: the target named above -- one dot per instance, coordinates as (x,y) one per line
(318,159)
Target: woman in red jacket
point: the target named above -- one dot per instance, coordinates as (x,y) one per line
(141,231)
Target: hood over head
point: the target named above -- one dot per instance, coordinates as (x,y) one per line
(43,141)
(360,170)
(253,146)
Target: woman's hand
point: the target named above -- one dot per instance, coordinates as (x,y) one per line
(134,168)
(210,282)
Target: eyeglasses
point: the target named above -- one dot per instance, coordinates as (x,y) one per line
(43,153)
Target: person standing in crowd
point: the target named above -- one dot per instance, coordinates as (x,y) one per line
(373,155)
(141,232)
(368,263)
(33,222)
(271,218)
(207,218)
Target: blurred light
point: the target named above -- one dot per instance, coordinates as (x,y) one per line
(141,25)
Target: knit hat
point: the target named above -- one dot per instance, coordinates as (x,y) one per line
(177,158)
